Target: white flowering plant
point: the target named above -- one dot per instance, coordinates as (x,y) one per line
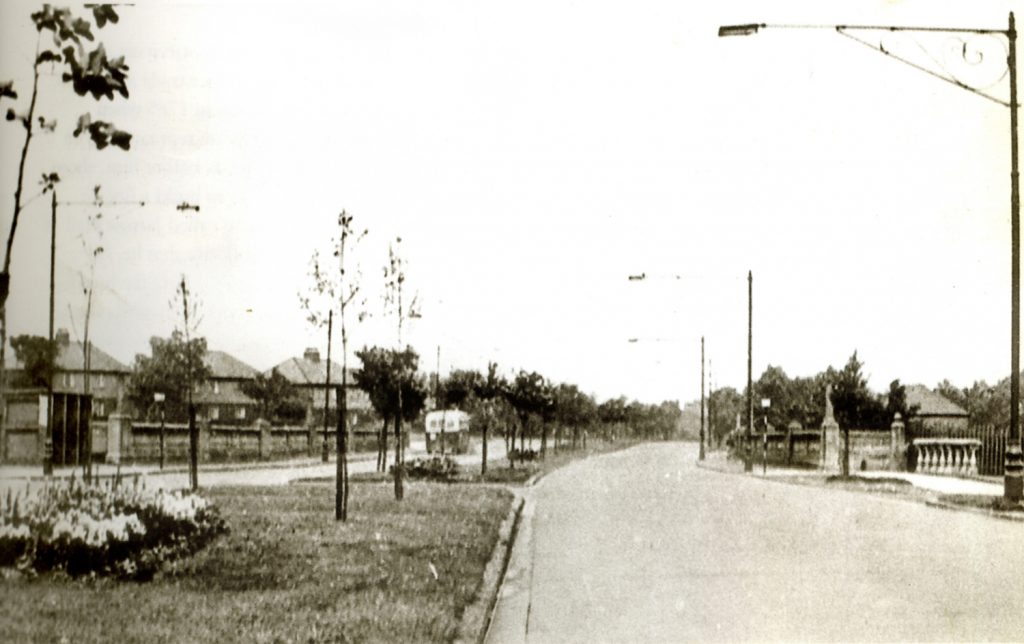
(104,528)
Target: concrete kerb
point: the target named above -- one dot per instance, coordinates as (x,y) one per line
(476,620)
(995,514)
(934,500)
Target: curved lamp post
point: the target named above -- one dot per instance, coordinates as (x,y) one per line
(966,48)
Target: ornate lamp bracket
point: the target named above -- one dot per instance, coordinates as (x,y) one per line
(976,60)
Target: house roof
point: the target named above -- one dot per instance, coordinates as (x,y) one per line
(71,358)
(930,403)
(303,371)
(225,365)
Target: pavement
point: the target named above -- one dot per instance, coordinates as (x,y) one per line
(644,546)
(991,486)
(248,473)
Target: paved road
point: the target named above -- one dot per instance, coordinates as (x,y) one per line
(643,546)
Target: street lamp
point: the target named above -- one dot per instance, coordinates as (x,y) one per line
(1013,470)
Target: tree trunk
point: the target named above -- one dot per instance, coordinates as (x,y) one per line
(382,447)
(483,447)
(399,462)
(341,446)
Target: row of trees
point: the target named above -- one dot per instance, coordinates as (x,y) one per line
(802,399)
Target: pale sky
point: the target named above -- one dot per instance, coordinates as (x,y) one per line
(532,155)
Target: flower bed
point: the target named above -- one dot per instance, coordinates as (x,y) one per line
(111,528)
(436,468)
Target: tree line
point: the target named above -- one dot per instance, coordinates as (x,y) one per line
(801,400)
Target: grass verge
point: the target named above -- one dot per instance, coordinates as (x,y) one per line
(983,502)
(396,572)
(499,472)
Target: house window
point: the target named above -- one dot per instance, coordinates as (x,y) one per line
(102,383)
(214,413)
(216,387)
(99,408)
(240,413)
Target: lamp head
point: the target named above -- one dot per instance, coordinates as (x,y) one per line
(738,30)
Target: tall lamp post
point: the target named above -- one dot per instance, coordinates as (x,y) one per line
(1013,479)
(702,398)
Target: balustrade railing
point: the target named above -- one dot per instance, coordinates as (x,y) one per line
(947,456)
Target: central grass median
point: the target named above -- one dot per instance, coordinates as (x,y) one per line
(287,571)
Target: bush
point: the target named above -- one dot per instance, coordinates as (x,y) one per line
(436,468)
(112,528)
(522,455)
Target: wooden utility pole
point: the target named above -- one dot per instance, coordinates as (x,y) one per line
(193,431)
(702,398)
(748,456)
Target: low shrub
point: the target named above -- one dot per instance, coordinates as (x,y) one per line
(521,455)
(111,528)
(435,468)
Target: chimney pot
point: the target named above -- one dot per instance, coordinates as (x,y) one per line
(312,354)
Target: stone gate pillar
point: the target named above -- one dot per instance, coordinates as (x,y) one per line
(263,429)
(831,448)
(898,444)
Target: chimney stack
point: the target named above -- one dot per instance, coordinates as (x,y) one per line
(62,338)
(312,354)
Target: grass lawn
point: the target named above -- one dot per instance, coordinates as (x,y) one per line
(287,572)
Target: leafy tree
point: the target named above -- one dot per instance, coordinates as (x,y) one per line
(275,394)
(855,406)
(725,404)
(38,356)
(490,392)
(896,402)
(613,415)
(90,72)
(573,409)
(166,370)
(458,388)
(529,396)
(381,372)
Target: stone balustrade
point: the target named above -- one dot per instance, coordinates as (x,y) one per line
(947,456)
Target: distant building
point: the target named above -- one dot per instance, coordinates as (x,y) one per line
(107,376)
(220,399)
(309,373)
(935,414)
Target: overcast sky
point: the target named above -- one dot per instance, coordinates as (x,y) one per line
(532,155)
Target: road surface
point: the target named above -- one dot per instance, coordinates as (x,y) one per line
(643,546)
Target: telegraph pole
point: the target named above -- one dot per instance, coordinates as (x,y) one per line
(702,398)
(748,457)
(48,442)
